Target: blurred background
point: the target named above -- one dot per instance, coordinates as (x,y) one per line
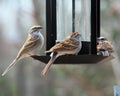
(17,16)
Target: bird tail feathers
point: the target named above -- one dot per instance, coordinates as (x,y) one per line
(53,57)
(9,67)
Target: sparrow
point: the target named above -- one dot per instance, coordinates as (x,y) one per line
(104,46)
(70,45)
(34,40)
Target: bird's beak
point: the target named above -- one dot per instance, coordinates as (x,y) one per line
(41,27)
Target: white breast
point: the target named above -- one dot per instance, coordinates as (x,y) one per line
(40,37)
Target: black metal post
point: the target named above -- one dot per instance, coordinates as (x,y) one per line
(98,18)
(95,24)
(73,15)
(50,23)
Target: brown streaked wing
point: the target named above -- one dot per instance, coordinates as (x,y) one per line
(29,44)
(108,46)
(105,45)
(64,45)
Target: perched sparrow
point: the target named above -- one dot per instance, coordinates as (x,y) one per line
(34,39)
(104,47)
(70,45)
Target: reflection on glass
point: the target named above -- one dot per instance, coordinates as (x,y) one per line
(64,18)
(82,18)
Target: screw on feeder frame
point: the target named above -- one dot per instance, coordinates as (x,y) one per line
(51,35)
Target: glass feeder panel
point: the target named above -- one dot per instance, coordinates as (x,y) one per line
(64,18)
(81,20)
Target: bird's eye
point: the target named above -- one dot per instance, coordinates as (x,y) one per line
(102,38)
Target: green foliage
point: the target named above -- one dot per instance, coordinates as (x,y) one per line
(5,88)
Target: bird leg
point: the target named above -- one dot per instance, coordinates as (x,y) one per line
(30,53)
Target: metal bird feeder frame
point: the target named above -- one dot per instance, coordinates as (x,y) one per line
(88,53)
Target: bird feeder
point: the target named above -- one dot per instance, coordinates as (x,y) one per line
(66,16)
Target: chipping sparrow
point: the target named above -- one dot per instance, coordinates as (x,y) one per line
(70,45)
(104,47)
(34,39)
